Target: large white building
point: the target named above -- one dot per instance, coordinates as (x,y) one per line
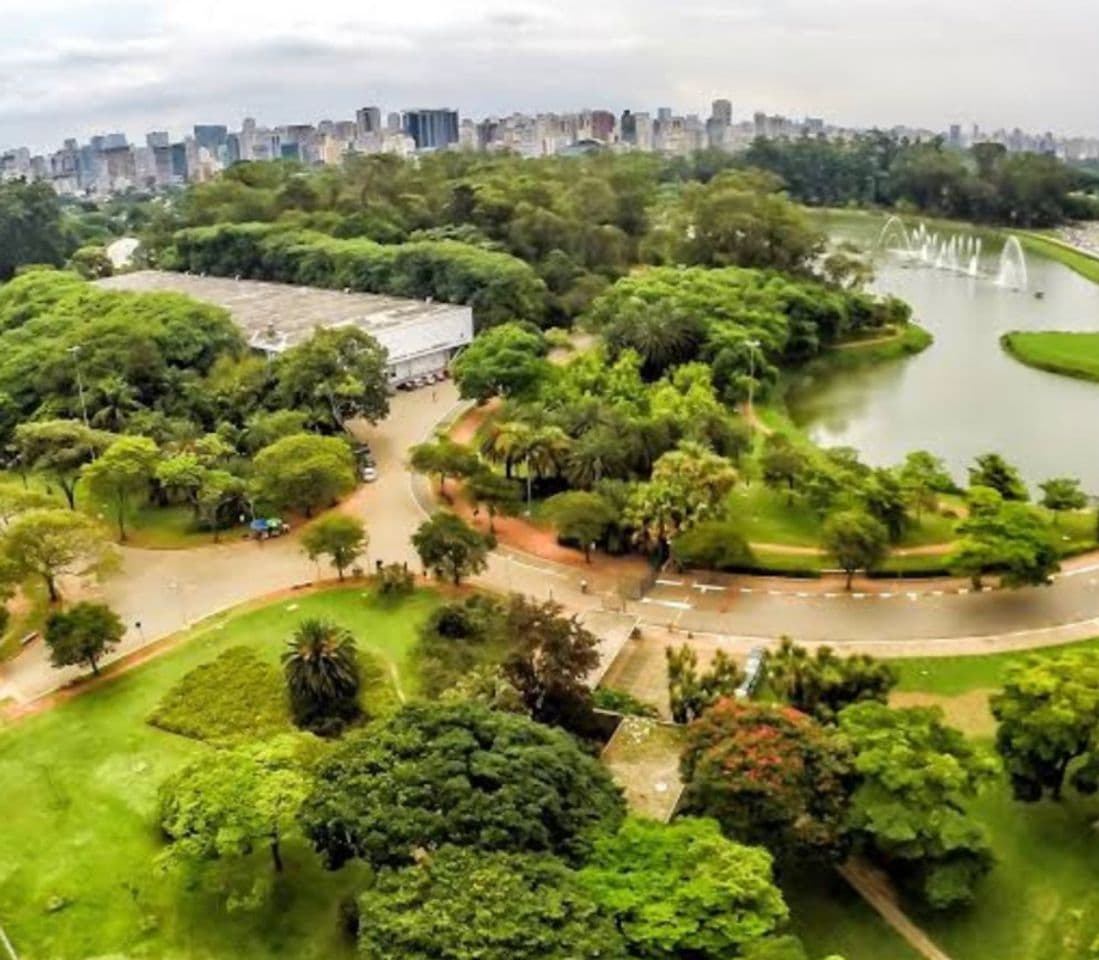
(420,336)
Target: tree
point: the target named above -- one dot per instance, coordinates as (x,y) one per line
(304,472)
(218,493)
(993,471)
(91,262)
(340,537)
(783,464)
(450,547)
(458,904)
(684,890)
(121,474)
(336,375)
(83,634)
(114,400)
(549,661)
(1010,537)
(908,811)
(497,494)
(691,693)
(1062,494)
(225,806)
(16,499)
(50,543)
(885,499)
(1048,716)
(659,339)
(30,226)
(322,674)
(182,475)
(457,773)
(60,448)
(445,458)
(582,517)
(857,541)
(769,775)
(508,360)
(923,477)
(822,684)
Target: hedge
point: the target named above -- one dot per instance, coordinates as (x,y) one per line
(498,286)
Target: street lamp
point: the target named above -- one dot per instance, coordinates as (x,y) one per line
(75,352)
(753,346)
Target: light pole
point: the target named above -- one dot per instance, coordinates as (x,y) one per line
(75,352)
(753,346)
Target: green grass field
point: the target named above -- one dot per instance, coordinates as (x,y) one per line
(1083,264)
(1070,354)
(78,832)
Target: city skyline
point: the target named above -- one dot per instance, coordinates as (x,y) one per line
(76,68)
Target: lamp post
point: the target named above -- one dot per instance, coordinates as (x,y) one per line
(753,346)
(75,352)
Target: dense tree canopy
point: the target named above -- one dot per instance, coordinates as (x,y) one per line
(304,472)
(31,230)
(769,775)
(683,890)
(1048,714)
(457,904)
(435,774)
(915,776)
(986,183)
(821,684)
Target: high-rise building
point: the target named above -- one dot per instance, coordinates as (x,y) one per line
(721,111)
(432,129)
(212,136)
(157,138)
(368,120)
(602,125)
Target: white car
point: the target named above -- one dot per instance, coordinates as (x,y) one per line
(369,474)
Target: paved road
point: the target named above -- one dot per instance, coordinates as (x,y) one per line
(168,590)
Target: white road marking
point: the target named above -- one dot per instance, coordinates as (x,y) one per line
(674,604)
(669,583)
(707,588)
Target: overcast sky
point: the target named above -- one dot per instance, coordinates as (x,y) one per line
(77,67)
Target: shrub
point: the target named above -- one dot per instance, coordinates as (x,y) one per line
(234,697)
(712,545)
(624,702)
(395,580)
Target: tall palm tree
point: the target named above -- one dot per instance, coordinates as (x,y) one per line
(115,400)
(505,443)
(322,675)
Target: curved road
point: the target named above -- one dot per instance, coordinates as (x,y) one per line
(166,591)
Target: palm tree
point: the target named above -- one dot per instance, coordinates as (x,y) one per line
(597,454)
(322,675)
(115,401)
(546,450)
(505,443)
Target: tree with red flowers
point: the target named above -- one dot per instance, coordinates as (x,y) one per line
(770,776)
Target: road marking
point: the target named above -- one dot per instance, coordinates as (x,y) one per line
(859,596)
(913,596)
(802,593)
(936,593)
(885,596)
(747,590)
(707,588)
(962,591)
(774,593)
(674,604)
(669,583)
(832,596)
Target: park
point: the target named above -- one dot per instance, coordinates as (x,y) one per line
(752,548)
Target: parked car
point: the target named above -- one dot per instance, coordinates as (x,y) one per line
(369,474)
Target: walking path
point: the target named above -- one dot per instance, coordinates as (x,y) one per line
(876,890)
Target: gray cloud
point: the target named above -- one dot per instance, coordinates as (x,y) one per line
(72,67)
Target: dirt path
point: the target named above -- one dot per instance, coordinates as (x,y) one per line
(875,889)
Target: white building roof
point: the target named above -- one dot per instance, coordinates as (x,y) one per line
(275,316)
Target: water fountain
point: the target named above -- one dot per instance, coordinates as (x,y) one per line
(956,253)
(1012,272)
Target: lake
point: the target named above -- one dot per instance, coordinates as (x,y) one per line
(964,395)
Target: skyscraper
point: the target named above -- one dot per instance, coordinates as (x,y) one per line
(432,129)
(368,120)
(721,112)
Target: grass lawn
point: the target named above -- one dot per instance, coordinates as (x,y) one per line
(1071,354)
(79,833)
(1076,260)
